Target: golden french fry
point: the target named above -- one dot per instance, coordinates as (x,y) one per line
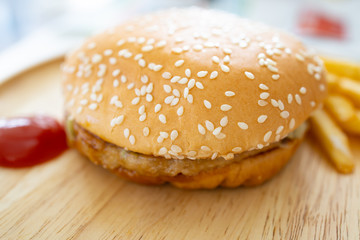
(332,81)
(342,68)
(353,124)
(350,88)
(340,107)
(344,112)
(333,140)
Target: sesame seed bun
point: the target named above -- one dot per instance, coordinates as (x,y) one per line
(192,84)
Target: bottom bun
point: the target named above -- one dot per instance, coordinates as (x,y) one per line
(249,171)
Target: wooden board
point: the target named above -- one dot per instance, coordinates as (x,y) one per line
(70,198)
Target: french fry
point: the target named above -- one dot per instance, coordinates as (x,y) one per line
(344,112)
(342,68)
(333,140)
(340,108)
(332,81)
(350,88)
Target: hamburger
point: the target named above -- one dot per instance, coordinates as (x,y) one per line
(192,97)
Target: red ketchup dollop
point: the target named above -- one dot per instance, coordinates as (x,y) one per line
(28,141)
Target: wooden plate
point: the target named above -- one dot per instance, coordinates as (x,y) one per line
(70,198)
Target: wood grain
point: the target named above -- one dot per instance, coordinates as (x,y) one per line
(70,198)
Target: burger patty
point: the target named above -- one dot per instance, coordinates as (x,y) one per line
(112,157)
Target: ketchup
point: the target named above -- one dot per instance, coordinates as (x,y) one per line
(28,141)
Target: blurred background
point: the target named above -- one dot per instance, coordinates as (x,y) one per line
(41,29)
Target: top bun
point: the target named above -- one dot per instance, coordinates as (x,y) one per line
(192,83)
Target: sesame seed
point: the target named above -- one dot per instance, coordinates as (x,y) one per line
(132,139)
(262,118)
(209,125)
(290,98)
(79,110)
(190,98)
(157,107)
(164,135)
(120,42)
(226,59)
(207,104)
(146,131)
(166,75)
(174,102)
(179,63)
(298,99)
(272,68)
(84,101)
(263,86)
(264,95)
(249,75)
(160,139)
(281,105)
(108,52)
(191,83)
(279,129)
(176,148)
(141,40)
(224,121)
(299,57)
(177,50)
(142,117)
(214,75)
(225,107)
(243,125)
(131,39)
(135,101)
(167,88)
(229,93)
(130,86)
(161,43)
(126,132)
(191,153)
(201,129)
(157,68)
(220,136)
(227,51)
(176,93)
(141,109)
(302,90)
(322,87)
(236,149)
(144,79)
(180,111)
(224,68)
(168,99)
(163,151)
(284,114)
(162,118)
(312,103)
(260,146)
(217,131)
(199,85)
(123,78)
(198,47)
(93,106)
(214,155)
(215,59)
(116,73)
(137,92)
(138,56)
(183,80)
(186,48)
(150,88)
(202,73)
(142,63)
(262,103)
(292,123)
(186,92)
(112,60)
(96,58)
(174,134)
(188,72)
(205,148)
(317,76)
(175,79)
(267,136)
(91,45)
(147,48)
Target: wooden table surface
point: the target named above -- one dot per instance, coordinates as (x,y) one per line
(70,198)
